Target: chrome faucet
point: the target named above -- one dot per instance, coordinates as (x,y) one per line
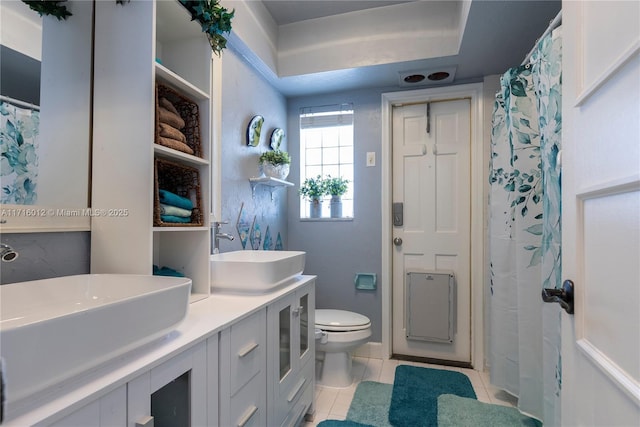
(217,235)
(7,253)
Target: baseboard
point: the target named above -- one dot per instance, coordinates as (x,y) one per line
(372,350)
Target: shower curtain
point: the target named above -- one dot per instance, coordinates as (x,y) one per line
(19,129)
(524,232)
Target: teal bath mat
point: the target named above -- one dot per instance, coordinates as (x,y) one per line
(370,404)
(340,423)
(414,401)
(456,411)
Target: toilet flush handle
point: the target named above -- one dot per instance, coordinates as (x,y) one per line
(322,336)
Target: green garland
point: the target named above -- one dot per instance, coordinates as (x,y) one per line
(53,8)
(214,19)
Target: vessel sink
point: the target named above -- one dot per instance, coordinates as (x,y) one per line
(54,329)
(254,272)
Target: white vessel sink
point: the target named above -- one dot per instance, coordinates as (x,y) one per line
(255,272)
(53,329)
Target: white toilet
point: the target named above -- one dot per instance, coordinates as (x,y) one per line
(338,333)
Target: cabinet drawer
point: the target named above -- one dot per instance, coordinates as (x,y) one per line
(247,349)
(301,392)
(247,407)
(302,399)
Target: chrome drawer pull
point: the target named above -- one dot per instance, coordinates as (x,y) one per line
(248,349)
(247,416)
(293,395)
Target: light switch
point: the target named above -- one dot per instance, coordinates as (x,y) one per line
(371,158)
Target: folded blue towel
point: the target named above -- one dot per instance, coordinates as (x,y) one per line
(166,271)
(174,210)
(172,218)
(169,198)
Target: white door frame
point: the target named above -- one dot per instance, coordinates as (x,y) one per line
(478,207)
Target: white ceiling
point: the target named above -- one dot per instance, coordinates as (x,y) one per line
(287,11)
(498,35)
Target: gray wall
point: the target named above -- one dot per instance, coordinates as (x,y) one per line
(46,255)
(337,250)
(245,93)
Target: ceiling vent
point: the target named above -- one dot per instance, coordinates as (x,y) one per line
(427,77)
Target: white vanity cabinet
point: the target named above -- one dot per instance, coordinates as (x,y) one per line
(291,356)
(109,410)
(233,361)
(173,393)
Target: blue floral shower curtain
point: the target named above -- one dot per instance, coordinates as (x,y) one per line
(19,130)
(524,232)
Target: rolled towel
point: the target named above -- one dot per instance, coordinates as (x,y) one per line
(175,144)
(169,131)
(173,119)
(169,198)
(174,210)
(171,218)
(166,271)
(168,105)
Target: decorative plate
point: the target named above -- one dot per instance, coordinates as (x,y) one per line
(276,138)
(253,131)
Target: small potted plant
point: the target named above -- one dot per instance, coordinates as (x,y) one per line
(313,189)
(275,163)
(336,187)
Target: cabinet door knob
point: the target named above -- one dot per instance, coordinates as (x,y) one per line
(563,296)
(145,422)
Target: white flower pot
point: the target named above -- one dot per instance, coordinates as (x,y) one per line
(274,171)
(315,209)
(336,207)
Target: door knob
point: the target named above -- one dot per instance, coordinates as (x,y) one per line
(397,241)
(563,296)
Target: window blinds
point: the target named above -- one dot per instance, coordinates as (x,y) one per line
(326,116)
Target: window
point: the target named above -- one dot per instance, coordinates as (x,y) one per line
(326,149)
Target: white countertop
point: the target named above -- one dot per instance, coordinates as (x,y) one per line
(204,318)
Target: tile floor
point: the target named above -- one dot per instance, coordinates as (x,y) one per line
(333,403)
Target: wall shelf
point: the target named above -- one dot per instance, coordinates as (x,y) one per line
(269,182)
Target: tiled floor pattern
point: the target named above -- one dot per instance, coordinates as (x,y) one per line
(333,403)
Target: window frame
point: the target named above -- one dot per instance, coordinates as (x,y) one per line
(325,119)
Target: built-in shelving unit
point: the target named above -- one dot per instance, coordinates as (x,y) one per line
(269,182)
(164,46)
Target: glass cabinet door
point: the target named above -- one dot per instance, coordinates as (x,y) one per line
(304,324)
(285,341)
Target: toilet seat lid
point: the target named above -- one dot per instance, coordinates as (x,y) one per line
(341,320)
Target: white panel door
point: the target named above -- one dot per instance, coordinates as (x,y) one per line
(431,177)
(601,213)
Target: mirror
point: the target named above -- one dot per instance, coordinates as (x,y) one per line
(45,114)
